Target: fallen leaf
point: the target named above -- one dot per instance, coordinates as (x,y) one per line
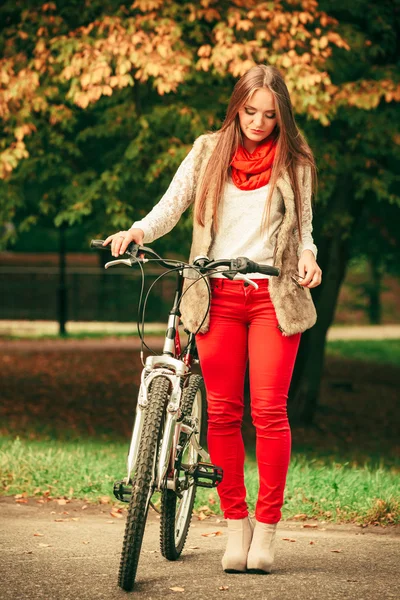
(336,550)
(65,512)
(104,499)
(223,587)
(112,522)
(59,520)
(38,534)
(177,589)
(312,542)
(201,516)
(27,552)
(212,534)
(23,495)
(352,580)
(84,507)
(310,525)
(61,501)
(116,515)
(74,519)
(21,501)
(193,547)
(45,546)
(85,542)
(300,516)
(289,539)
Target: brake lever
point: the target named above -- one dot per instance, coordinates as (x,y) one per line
(246,280)
(129,262)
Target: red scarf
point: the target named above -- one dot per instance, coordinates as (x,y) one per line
(251,171)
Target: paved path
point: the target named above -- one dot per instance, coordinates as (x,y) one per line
(76,557)
(34,328)
(156,341)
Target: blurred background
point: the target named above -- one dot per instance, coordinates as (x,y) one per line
(99,103)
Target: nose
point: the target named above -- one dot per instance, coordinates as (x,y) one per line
(258,120)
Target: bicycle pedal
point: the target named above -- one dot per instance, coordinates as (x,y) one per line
(205,474)
(122,491)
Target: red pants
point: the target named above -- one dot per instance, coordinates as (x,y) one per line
(243,326)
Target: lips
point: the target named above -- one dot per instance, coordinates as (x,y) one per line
(256,131)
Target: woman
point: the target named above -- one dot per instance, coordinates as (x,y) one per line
(251,184)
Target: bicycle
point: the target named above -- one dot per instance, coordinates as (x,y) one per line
(169,422)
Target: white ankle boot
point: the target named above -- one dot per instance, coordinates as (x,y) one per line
(240,532)
(262,549)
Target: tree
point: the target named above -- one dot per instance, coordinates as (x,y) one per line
(100,102)
(359,160)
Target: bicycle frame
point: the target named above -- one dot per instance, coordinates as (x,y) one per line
(166,365)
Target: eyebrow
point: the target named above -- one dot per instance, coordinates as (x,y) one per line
(252,107)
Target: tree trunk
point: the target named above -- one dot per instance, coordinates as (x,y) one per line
(333,254)
(62,286)
(374,292)
(304,390)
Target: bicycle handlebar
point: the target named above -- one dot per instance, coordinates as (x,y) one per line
(240,265)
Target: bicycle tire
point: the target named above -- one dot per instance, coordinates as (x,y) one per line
(175,518)
(142,490)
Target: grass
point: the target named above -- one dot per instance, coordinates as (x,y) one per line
(83,335)
(66,420)
(378,351)
(316,488)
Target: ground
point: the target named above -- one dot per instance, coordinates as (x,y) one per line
(69,552)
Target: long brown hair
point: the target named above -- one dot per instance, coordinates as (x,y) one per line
(291,150)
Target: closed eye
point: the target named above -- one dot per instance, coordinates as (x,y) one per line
(251,112)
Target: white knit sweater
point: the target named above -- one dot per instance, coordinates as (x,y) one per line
(239,219)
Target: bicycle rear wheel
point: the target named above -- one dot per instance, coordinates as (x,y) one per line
(143,481)
(176,513)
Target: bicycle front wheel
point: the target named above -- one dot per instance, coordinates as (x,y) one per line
(143,481)
(176,513)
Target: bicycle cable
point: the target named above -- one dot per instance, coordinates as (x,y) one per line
(142,308)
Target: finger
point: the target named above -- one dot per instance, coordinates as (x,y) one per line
(107,240)
(125,243)
(316,280)
(301,267)
(308,278)
(116,243)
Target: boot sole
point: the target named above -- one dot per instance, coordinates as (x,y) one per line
(258,572)
(233,571)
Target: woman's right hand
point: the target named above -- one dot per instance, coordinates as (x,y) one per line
(121,240)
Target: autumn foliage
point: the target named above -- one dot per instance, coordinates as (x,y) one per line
(52,61)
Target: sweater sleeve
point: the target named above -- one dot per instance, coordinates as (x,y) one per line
(178,197)
(307,242)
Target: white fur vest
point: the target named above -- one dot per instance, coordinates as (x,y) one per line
(294,307)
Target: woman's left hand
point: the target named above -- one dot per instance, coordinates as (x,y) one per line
(309,270)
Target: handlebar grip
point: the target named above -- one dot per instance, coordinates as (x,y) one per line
(99,245)
(264,269)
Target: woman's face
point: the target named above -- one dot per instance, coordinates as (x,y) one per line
(257,118)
